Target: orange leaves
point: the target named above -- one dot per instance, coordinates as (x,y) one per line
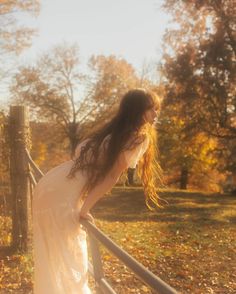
(15,37)
(182,245)
(16,274)
(5,227)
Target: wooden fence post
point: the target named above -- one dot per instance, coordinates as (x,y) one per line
(19,167)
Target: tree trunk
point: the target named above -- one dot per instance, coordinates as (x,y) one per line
(73,137)
(130,177)
(184,178)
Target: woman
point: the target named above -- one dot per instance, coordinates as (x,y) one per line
(68,192)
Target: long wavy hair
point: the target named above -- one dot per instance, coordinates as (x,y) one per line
(125,131)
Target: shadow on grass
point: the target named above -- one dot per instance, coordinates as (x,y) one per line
(127,204)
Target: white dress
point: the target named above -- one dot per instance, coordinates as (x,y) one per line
(59,241)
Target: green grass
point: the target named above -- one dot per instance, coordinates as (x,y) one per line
(190,244)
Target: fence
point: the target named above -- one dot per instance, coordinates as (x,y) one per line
(24,176)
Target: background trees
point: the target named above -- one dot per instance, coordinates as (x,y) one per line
(188,161)
(113,77)
(14,37)
(199,71)
(50,87)
(56,89)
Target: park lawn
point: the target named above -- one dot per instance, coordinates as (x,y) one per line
(190,244)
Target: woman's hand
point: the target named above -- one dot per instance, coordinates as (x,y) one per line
(88,217)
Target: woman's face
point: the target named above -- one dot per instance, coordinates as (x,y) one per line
(150,115)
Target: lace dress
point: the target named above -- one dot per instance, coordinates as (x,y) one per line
(59,241)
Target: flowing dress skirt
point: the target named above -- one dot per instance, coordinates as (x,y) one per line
(59,241)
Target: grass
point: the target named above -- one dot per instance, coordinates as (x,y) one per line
(190,244)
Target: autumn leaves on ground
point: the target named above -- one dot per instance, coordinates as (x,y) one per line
(190,244)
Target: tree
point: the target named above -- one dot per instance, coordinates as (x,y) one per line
(49,146)
(14,37)
(199,67)
(112,78)
(53,89)
(188,159)
(50,88)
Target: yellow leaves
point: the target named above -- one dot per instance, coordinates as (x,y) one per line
(145,289)
(15,37)
(41,149)
(168,253)
(106,257)
(5,225)
(114,77)
(181,245)
(16,273)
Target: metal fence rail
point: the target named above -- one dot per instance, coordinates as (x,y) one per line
(33,165)
(137,268)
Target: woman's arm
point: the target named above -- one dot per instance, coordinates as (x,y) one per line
(128,158)
(106,185)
